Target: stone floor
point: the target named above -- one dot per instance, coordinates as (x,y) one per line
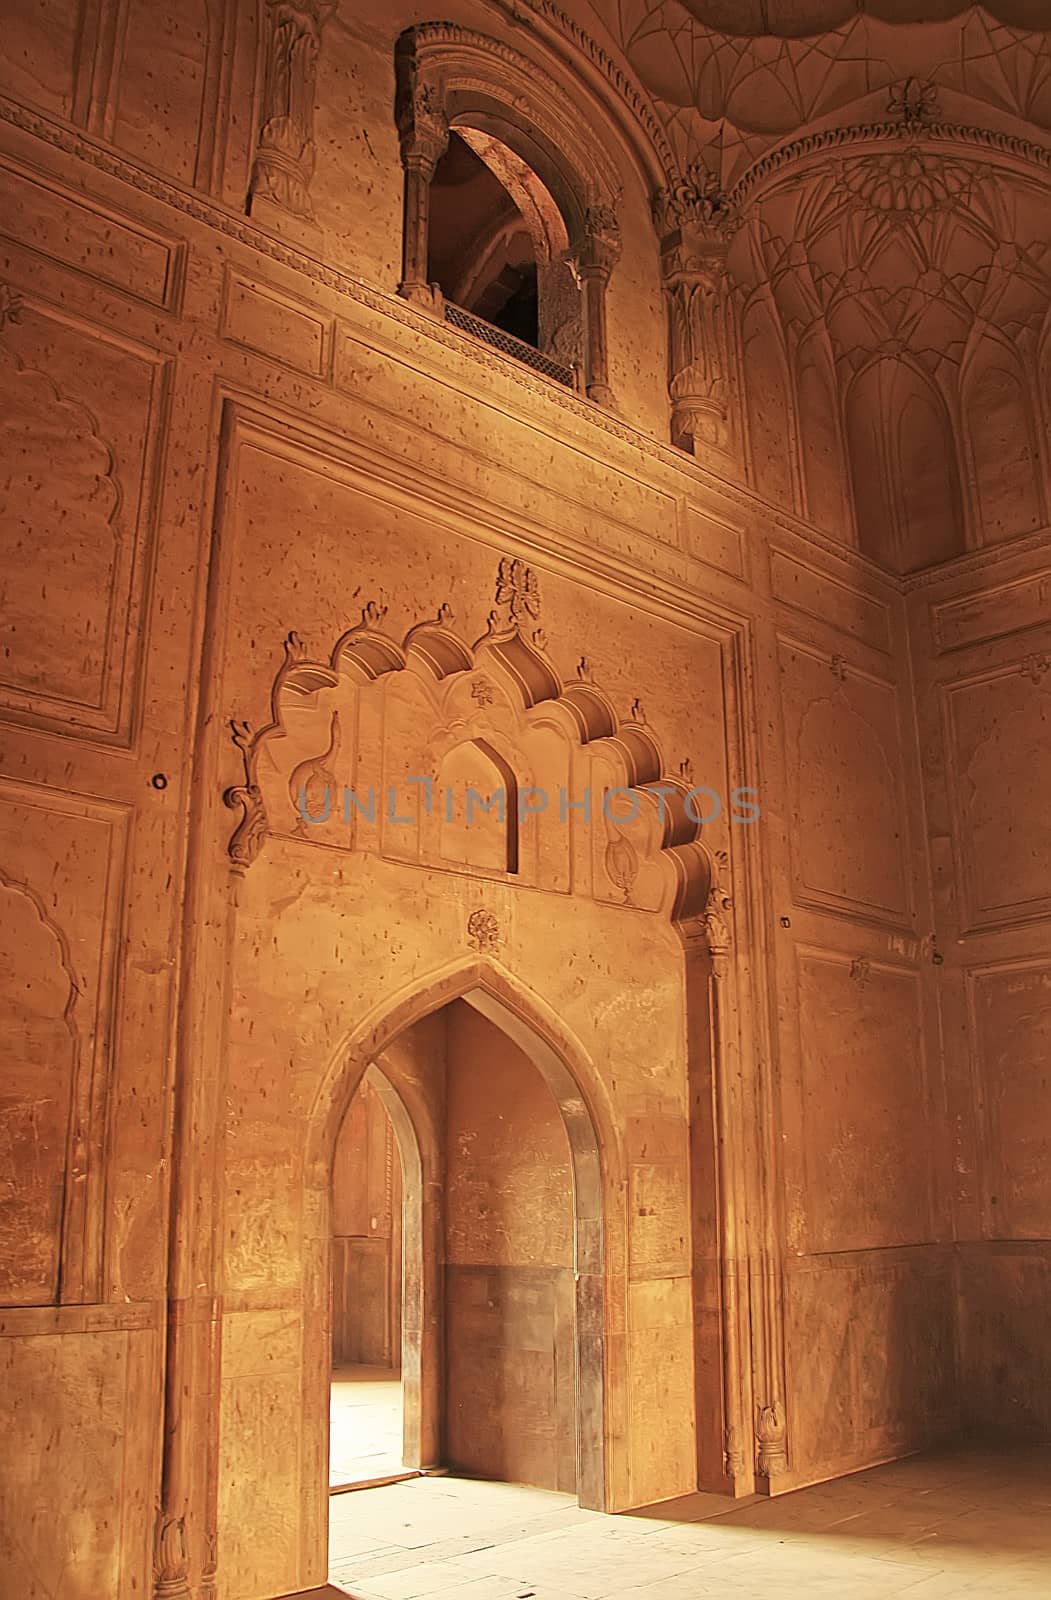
(957,1523)
(365,1440)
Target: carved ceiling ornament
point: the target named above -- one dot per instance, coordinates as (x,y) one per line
(365,653)
(902,245)
(732,79)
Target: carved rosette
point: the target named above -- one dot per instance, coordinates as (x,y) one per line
(695,224)
(284,159)
(483,931)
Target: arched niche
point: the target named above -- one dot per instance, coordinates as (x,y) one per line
(476,804)
(904,470)
(999,426)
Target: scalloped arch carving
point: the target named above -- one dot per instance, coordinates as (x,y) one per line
(422,697)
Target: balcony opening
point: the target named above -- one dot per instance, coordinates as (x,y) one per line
(497,248)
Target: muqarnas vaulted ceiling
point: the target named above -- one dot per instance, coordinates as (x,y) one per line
(730,78)
(793,19)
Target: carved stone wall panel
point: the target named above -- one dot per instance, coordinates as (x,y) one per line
(633,510)
(157,116)
(39,55)
(715,542)
(62,862)
(1009,1007)
(849,828)
(994,722)
(261,317)
(81,412)
(862,1124)
(820,595)
(105,244)
(994,612)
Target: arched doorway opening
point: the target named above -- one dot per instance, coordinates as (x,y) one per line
(501,1347)
(366,1424)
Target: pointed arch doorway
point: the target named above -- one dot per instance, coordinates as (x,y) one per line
(494,1108)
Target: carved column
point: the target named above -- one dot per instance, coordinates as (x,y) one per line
(594,254)
(423,131)
(695,226)
(284,159)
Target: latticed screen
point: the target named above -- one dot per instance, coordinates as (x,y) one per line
(510,346)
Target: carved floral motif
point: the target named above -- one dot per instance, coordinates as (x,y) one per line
(483,931)
(517,592)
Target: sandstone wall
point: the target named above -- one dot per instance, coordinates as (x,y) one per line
(240,473)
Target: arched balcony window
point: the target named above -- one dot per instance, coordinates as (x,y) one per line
(510,213)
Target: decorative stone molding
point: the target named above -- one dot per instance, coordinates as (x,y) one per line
(717,912)
(423,134)
(250,833)
(1034,667)
(696,201)
(284,158)
(517,595)
(594,254)
(992,143)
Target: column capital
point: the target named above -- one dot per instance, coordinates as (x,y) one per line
(596,249)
